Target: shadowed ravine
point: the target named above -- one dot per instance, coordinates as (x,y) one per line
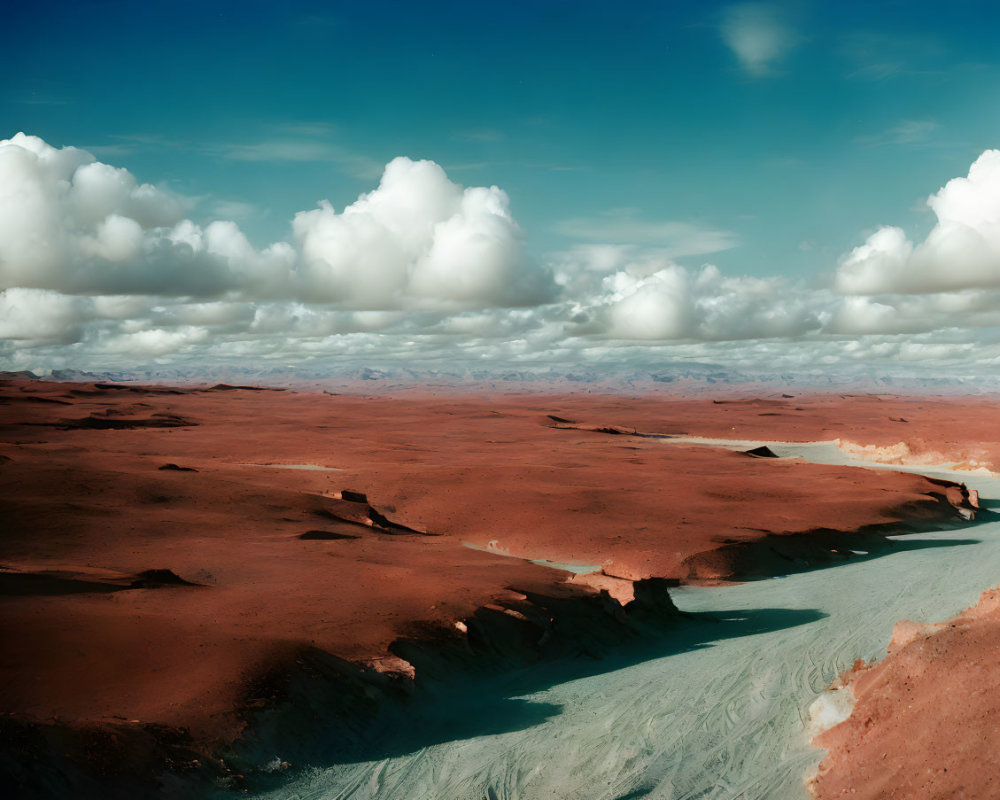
(716,708)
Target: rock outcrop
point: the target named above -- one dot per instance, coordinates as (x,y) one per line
(924,721)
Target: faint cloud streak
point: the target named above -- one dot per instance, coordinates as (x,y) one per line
(297,150)
(757,35)
(907,131)
(481,135)
(673,238)
(880,56)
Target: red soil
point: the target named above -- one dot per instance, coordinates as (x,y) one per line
(933,429)
(91,498)
(925,720)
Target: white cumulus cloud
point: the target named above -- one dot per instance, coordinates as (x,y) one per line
(672,303)
(962,251)
(418,241)
(35,317)
(71,224)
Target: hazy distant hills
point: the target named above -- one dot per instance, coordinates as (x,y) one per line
(679,378)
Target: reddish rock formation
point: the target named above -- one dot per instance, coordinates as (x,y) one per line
(925,720)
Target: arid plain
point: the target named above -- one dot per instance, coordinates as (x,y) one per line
(182,565)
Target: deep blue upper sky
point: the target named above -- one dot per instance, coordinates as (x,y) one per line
(600,120)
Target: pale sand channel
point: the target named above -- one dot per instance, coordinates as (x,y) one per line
(725,718)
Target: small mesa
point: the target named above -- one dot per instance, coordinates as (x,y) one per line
(155,578)
(609,430)
(95,422)
(325,535)
(228,387)
(75,580)
(112,386)
(176,468)
(761,452)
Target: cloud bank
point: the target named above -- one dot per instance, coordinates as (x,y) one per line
(645,296)
(72,224)
(99,270)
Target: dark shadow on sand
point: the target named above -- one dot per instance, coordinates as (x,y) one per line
(38,584)
(21,584)
(461,698)
(458,703)
(875,549)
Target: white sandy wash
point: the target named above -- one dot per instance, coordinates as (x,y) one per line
(727,717)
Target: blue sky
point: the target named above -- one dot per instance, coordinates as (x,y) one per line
(768,139)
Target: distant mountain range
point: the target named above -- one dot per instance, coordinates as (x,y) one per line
(674,379)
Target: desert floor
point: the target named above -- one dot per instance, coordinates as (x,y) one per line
(477,587)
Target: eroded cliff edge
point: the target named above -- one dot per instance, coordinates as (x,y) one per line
(924,721)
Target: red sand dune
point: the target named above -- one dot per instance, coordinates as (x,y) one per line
(101,483)
(925,720)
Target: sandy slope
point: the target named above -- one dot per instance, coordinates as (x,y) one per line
(925,720)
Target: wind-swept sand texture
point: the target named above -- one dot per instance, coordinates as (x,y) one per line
(925,720)
(159,571)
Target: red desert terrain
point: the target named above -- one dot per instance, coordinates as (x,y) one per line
(167,551)
(925,720)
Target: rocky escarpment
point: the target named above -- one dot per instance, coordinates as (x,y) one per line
(352,508)
(947,503)
(367,706)
(312,706)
